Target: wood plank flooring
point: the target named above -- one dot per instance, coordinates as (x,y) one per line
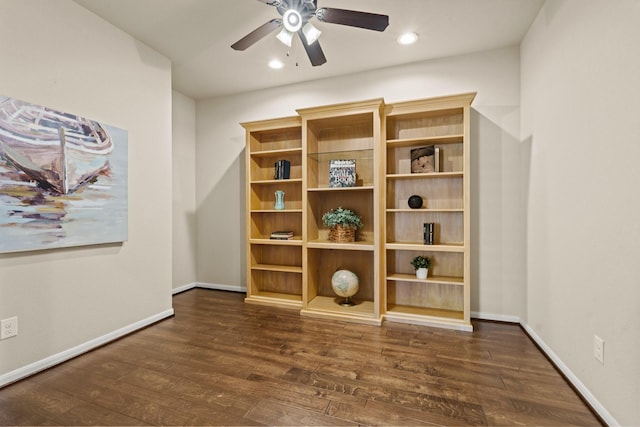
(220,361)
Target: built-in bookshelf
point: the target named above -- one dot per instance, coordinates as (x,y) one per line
(274,265)
(443,298)
(378,140)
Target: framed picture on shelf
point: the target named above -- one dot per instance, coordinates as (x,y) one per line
(425,159)
(342,173)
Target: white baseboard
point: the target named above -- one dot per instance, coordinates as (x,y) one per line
(184,288)
(41,365)
(232,288)
(572,378)
(569,375)
(495,317)
(214,286)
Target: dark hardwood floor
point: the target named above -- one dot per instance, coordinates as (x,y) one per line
(222,362)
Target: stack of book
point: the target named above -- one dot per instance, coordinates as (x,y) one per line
(282,235)
(282,169)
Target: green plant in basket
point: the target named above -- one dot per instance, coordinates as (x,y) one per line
(342,216)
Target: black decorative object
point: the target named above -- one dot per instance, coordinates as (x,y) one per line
(415,202)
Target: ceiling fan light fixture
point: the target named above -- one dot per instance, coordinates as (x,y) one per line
(292,20)
(311,33)
(285,36)
(408,38)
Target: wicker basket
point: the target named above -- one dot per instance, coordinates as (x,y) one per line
(342,234)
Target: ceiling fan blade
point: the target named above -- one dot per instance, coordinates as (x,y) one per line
(275,3)
(314,51)
(353,18)
(257,34)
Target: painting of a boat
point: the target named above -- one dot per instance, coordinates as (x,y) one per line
(63,179)
(62,152)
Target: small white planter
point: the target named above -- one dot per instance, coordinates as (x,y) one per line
(422,273)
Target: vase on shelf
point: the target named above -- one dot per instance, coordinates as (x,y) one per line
(279,200)
(421,273)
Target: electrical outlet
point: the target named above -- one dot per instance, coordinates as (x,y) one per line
(8,328)
(598,349)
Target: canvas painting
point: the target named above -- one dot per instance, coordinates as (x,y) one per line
(63,179)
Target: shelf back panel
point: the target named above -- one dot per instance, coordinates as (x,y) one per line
(450,158)
(265,223)
(448,264)
(277,282)
(323,263)
(279,139)
(426,124)
(437,193)
(263,195)
(416,294)
(407,227)
(263,168)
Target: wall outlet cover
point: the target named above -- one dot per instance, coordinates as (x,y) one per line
(8,328)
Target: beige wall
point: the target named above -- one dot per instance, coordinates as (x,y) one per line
(498,207)
(184,191)
(580,91)
(56,53)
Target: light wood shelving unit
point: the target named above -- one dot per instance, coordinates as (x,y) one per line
(274,267)
(339,132)
(443,299)
(297,273)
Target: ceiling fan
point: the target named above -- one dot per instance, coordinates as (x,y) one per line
(296,16)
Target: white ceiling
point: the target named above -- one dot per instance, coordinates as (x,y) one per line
(196,36)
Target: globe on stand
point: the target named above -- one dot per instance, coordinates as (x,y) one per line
(345,284)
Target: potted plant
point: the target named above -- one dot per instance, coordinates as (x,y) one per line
(343,224)
(421,264)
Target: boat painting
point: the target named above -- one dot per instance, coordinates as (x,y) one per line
(63,179)
(59,150)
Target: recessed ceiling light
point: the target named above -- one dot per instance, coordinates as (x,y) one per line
(276,64)
(408,38)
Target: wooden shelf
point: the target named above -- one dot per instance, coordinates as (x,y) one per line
(277,153)
(432,140)
(276,211)
(281,268)
(423,247)
(339,189)
(353,246)
(361,154)
(277,181)
(329,307)
(449,319)
(401,277)
(426,175)
(425,210)
(424,311)
(277,299)
(296,241)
